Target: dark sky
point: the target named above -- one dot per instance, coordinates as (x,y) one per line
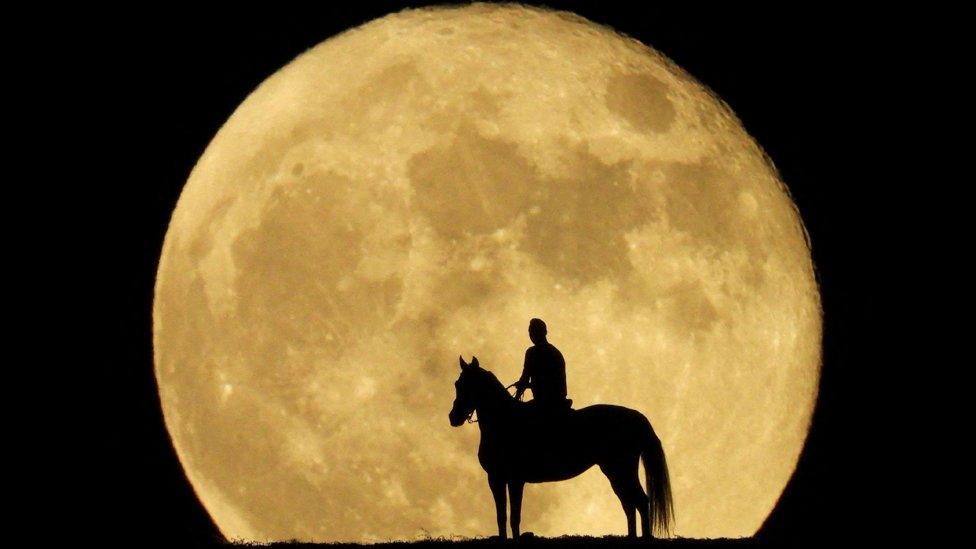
(803,82)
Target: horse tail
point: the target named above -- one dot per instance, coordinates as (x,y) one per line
(658,483)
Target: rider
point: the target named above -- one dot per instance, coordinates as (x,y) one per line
(544,371)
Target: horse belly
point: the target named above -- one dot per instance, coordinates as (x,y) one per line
(560,472)
(555,463)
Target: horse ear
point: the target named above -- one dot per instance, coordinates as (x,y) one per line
(461,360)
(474,361)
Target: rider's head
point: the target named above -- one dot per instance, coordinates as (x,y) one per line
(537,330)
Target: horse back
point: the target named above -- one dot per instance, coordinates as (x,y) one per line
(602,411)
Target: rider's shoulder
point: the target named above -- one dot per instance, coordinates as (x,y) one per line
(543,350)
(537,351)
(555,351)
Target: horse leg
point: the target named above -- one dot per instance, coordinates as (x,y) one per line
(620,487)
(642,502)
(515,497)
(638,499)
(498,492)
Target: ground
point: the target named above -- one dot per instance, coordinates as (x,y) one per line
(549,543)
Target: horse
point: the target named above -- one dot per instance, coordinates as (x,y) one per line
(519,445)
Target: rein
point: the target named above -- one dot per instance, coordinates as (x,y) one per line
(471,415)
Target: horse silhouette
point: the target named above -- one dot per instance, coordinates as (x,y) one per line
(519,445)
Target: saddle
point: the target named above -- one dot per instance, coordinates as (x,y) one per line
(548,412)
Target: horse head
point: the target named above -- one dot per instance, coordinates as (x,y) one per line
(466,392)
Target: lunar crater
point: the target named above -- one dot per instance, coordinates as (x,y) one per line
(642,100)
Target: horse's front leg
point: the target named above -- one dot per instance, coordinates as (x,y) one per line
(498,491)
(515,496)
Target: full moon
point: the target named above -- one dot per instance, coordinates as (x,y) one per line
(418,188)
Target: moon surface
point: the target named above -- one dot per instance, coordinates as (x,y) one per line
(419,188)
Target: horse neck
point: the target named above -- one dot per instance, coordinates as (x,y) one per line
(494,404)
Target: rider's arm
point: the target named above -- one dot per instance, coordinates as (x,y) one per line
(524,381)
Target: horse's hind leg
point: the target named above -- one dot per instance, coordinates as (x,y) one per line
(642,501)
(623,480)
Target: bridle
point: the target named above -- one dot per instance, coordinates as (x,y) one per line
(474,410)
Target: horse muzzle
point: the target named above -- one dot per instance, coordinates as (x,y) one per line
(457,419)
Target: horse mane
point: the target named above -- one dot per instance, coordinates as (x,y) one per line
(496,385)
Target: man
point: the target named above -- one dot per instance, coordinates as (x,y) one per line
(544,371)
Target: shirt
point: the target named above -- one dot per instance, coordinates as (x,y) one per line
(545,368)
